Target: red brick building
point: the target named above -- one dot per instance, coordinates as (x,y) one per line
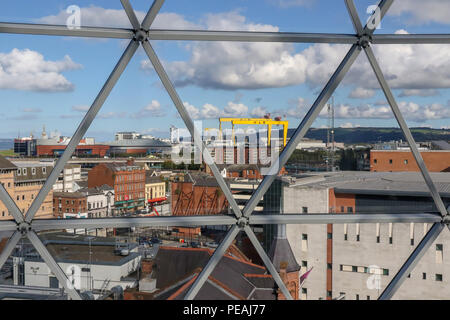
(54,150)
(198,194)
(69,202)
(127,179)
(398,160)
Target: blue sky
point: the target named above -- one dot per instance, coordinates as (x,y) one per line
(52,80)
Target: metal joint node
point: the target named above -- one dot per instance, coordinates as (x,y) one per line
(446,220)
(24,227)
(140,35)
(242,222)
(364,41)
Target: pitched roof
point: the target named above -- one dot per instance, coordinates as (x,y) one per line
(175,270)
(281,251)
(6,164)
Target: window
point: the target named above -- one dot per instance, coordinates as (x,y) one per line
(304,264)
(390,240)
(390,161)
(304,294)
(439,253)
(375,161)
(349,209)
(19,172)
(385,272)
(33,171)
(329,235)
(354,269)
(329,294)
(357,297)
(24,171)
(438,277)
(342,209)
(368,297)
(424,276)
(304,242)
(304,209)
(44,170)
(329,266)
(405,162)
(378,239)
(412,242)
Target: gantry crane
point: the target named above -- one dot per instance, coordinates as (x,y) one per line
(257,121)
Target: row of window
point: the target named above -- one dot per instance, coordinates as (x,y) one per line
(130,187)
(131,177)
(391,161)
(24,171)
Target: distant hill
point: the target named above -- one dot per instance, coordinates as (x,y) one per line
(374,135)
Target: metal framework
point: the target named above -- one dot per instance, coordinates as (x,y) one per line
(141,34)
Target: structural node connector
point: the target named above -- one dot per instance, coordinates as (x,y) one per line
(140,35)
(364,41)
(23,227)
(243,222)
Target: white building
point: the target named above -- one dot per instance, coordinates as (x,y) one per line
(357,261)
(90,262)
(100,201)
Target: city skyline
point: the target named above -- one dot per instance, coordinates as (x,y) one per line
(53,80)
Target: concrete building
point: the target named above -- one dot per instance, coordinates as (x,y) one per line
(356,261)
(128,181)
(94,263)
(23,181)
(403,160)
(67,179)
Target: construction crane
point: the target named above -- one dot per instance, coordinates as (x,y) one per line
(257,121)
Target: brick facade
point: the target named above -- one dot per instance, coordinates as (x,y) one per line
(127,179)
(69,202)
(395,161)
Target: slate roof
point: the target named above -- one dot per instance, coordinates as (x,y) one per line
(176,269)
(6,164)
(281,251)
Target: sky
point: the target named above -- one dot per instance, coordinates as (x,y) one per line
(52,81)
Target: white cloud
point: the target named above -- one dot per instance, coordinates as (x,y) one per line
(419,93)
(28,70)
(153,109)
(81,108)
(349,125)
(410,110)
(235,109)
(100,17)
(258,112)
(361,93)
(422,12)
(209,111)
(111,115)
(293,3)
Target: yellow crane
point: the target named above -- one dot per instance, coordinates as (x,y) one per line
(256,121)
